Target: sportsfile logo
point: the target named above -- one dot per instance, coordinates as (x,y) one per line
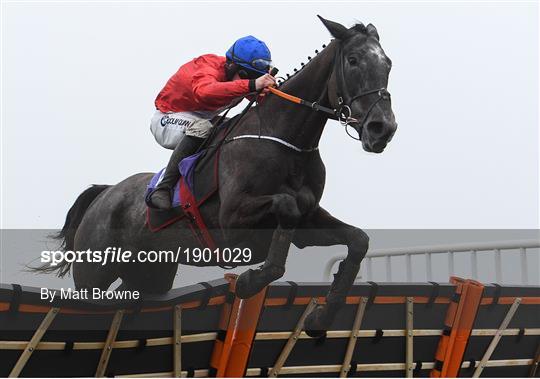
(119,255)
(168,120)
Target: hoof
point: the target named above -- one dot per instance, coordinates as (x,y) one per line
(316,323)
(252,282)
(316,333)
(247,284)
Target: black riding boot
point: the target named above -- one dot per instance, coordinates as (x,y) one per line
(161,197)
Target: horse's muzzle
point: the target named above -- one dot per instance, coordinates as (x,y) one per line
(377,134)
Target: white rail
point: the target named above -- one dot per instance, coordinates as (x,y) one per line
(474,249)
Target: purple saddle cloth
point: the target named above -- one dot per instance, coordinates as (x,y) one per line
(186,168)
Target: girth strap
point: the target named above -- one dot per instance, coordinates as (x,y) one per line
(275,139)
(197,224)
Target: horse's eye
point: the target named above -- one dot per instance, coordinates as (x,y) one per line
(353,61)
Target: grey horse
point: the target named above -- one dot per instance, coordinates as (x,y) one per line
(269,188)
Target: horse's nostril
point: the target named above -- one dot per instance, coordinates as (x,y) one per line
(375,128)
(379,146)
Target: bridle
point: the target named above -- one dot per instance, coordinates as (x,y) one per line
(343,112)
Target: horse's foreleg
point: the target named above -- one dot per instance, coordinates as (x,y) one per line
(285,209)
(252,281)
(322,229)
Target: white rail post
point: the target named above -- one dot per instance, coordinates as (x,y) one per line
(474,265)
(498,266)
(429,273)
(388,260)
(369,269)
(409,267)
(451,263)
(524,271)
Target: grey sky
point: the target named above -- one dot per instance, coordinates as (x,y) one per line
(79,80)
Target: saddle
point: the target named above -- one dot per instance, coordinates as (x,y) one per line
(198,183)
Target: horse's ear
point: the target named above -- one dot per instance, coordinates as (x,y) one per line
(372,31)
(337,30)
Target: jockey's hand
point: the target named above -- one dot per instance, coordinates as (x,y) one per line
(262,82)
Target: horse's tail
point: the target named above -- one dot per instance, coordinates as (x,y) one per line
(67,234)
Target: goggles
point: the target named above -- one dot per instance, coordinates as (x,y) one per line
(260,64)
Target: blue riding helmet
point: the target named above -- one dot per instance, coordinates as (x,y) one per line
(251,53)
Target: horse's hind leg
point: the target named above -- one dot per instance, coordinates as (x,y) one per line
(92,275)
(322,229)
(285,209)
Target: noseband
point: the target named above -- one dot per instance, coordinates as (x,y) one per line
(344,112)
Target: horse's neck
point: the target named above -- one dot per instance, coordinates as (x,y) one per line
(295,123)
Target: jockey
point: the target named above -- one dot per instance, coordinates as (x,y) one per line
(196,93)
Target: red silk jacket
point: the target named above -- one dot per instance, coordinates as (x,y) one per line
(201,85)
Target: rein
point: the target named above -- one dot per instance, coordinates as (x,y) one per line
(334,113)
